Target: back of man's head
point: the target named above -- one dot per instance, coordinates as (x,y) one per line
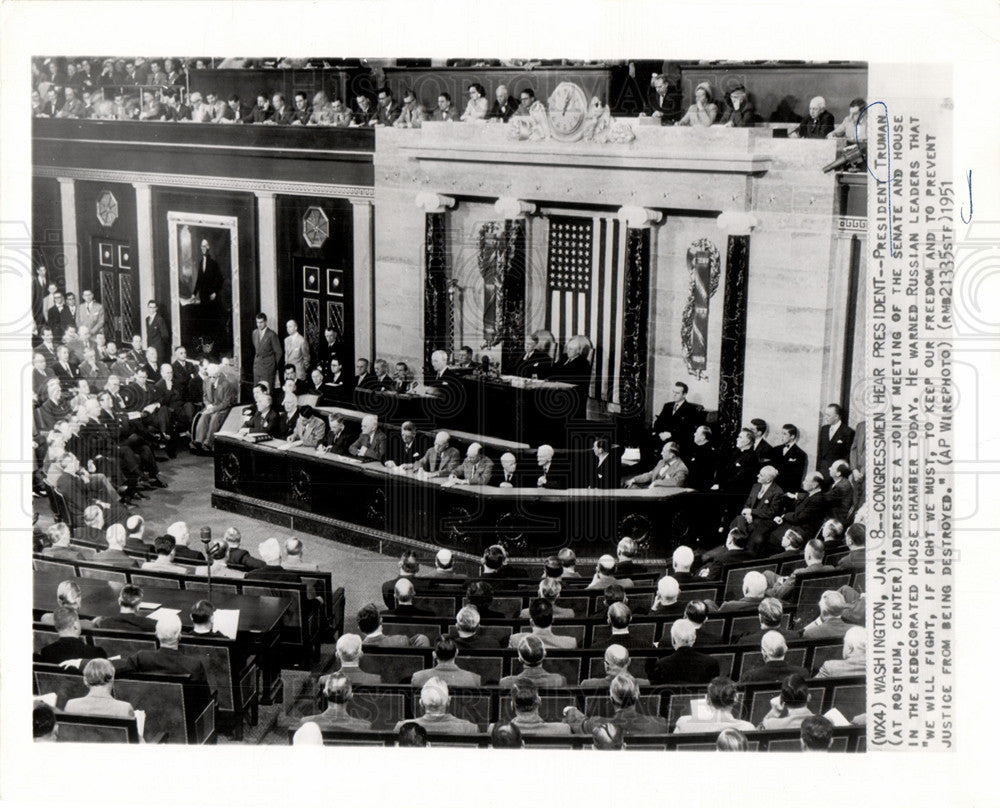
(770,612)
(408,564)
(606,565)
(337,689)
(135,524)
(683,558)
(434,695)
(627,548)
(445,648)
(795,691)
(524,695)
(816,733)
(43,720)
(619,615)
(98,672)
(553,567)
(608,736)
(683,633)
(567,557)
(293,548)
(168,629)
(232,537)
(855,641)
(68,594)
(506,736)
(494,557)
(731,740)
(66,620)
(412,734)
(814,551)
(831,604)
(624,690)
(348,648)
(540,611)
(773,645)
(614,593)
(480,594)
(467,619)
(130,597)
(667,589)
(115,537)
(697,612)
(444,560)
(368,618)
(722,693)
(531,651)
(855,534)
(202,612)
(754,585)
(616,658)
(164,545)
(403,591)
(549,588)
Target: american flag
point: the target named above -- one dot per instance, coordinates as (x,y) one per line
(585,288)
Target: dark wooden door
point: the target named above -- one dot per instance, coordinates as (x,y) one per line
(114,279)
(324,298)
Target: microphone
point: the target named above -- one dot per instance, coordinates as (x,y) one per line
(486,364)
(206,535)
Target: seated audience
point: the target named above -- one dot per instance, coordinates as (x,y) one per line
(549,590)
(605,575)
(619,619)
(371,443)
(93,526)
(403,593)
(476,469)
(816,734)
(818,123)
(309,734)
(238,556)
(43,723)
(434,699)
(531,653)
(444,111)
(568,560)
(338,691)
(830,622)
(626,564)
(370,624)
(775,669)
(669,472)
(681,563)
(684,665)
(99,677)
(853,663)
(722,698)
(203,620)
(294,557)
(446,668)
(349,653)
(607,737)
(59,545)
(540,614)
(506,736)
(804,512)
(128,617)
(444,565)
(441,459)
(70,647)
(480,595)
(665,601)
(698,611)
(495,564)
(783,587)
(790,707)
(731,740)
(616,660)
(704,110)
(408,568)
(739,109)
(854,537)
(182,538)
(770,611)
(167,658)
(115,554)
(412,734)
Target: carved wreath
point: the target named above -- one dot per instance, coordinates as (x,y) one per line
(230,467)
(689,333)
(301,485)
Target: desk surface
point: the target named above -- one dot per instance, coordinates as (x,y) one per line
(257,614)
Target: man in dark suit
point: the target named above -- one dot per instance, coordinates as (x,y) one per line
(348,651)
(663,101)
(370,625)
(337,440)
(790,461)
(364,378)
(264,418)
(815,555)
(128,618)
(267,352)
(684,665)
(47,348)
(39,291)
(835,439)
(737,475)
(762,448)
(818,123)
(468,634)
(619,619)
(553,472)
(677,420)
(506,473)
(167,658)
(701,459)
(762,504)
(840,498)
(773,648)
(626,565)
(441,459)
(329,348)
(270,553)
(370,444)
(69,646)
(404,448)
(575,369)
(236,555)
(157,333)
(505,106)
(441,374)
(624,693)
(59,316)
(408,569)
(602,473)
(770,611)
(804,512)
(63,369)
(338,387)
(403,592)
(854,536)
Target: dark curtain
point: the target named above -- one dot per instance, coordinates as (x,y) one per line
(734,339)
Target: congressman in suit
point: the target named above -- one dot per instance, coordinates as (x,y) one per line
(789,460)
(602,471)
(157,332)
(267,352)
(441,459)
(835,439)
(99,677)
(476,469)
(804,512)
(678,418)
(370,444)
(167,658)
(90,314)
(540,611)
(684,665)
(507,475)
(296,349)
(264,418)
(853,663)
(762,504)
(554,472)
(670,471)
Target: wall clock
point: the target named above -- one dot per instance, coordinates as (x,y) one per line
(107,208)
(567,111)
(315,227)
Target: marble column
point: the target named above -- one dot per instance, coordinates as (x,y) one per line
(144,249)
(268,257)
(70,244)
(364,279)
(512,276)
(436,303)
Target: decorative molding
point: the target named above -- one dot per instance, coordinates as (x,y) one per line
(852,224)
(639,218)
(247,185)
(705,266)
(431,202)
(736,222)
(511,208)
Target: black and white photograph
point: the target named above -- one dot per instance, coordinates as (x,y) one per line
(585,400)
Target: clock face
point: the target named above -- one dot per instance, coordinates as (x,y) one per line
(567,110)
(107,208)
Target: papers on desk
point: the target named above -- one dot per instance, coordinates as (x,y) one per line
(226,621)
(700,711)
(162,612)
(149,605)
(49,698)
(836,718)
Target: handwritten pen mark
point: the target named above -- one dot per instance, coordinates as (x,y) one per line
(961,210)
